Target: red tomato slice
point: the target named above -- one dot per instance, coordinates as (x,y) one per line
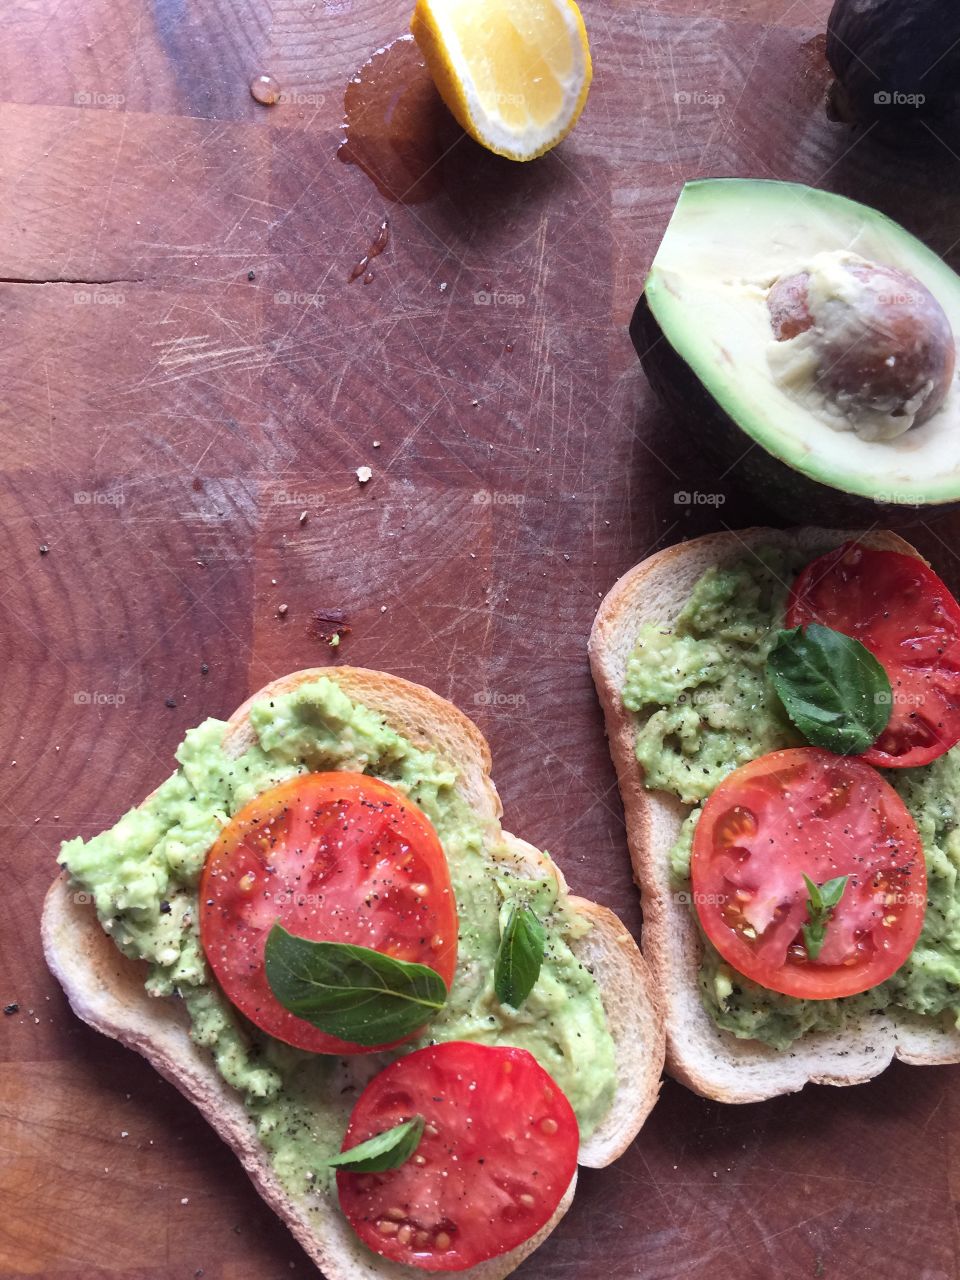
(898,607)
(807,812)
(335,857)
(498,1152)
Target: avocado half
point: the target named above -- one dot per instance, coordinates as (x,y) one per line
(702,332)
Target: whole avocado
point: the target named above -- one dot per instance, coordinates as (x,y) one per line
(897,64)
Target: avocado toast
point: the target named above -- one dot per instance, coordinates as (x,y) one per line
(842,1042)
(342,718)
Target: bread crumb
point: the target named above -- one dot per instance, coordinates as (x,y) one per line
(364,474)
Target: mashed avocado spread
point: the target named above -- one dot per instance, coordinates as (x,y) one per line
(143,876)
(705,707)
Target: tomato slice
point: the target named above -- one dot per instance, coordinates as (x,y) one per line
(498,1152)
(898,607)
(335,857)
(807,812)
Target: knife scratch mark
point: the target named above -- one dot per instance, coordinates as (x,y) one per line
(173,359)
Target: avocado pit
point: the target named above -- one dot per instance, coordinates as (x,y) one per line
(868,340)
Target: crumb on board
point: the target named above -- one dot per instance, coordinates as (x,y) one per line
(328,626)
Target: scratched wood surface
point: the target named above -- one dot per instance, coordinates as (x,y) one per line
(165,420)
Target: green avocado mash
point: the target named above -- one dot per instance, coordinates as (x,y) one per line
(705,707)
(143,876)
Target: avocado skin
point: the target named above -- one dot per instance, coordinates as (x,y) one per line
(791,494)
(896,47)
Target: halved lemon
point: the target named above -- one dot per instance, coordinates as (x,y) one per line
(515,73)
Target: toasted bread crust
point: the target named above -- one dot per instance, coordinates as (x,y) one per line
(106,990)
(710,1061)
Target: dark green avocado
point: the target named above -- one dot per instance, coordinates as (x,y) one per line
(897,64)
(806,342)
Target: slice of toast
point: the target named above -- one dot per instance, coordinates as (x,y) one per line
(712,1062)
(106,990)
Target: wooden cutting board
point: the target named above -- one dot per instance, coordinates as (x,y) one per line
(185,368)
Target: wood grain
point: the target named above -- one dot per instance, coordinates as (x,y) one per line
(166,419)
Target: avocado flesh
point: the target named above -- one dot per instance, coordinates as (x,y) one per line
(727,242)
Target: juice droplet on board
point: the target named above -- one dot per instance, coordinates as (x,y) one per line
(396,125)
(380,239)
(265,90)
(377,246)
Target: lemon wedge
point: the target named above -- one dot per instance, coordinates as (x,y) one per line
(515,73)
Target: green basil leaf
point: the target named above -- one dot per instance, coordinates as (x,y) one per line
(519,957)
(832,891)
(355,993)
(832,687)
(388,1150)
(823,898)
(815,903)
(814,936)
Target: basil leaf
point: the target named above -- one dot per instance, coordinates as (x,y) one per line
(814,936)
(519,957)
(354,993)
(823,898)
(388,1150)
(832,891)
(815,901)
(832,687)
